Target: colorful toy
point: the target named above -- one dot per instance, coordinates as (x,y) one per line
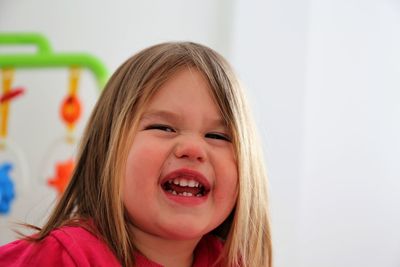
(7,189)
(45,57)
(70,109)
(7,192)
(6,97)
(11,94)
(70,112)
(63,174)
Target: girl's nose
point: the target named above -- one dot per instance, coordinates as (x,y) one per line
(191,148)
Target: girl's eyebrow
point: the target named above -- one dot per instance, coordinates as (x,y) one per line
(161,114)
(217,122)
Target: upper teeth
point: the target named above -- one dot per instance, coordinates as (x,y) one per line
(185,182)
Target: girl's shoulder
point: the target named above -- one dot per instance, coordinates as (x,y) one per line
(65,246)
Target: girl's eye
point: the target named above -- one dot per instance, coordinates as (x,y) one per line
(218,136)
(160,127)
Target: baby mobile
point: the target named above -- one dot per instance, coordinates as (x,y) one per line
(13,169)
(70,112)
(9,152)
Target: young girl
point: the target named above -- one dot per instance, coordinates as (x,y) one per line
(169,173)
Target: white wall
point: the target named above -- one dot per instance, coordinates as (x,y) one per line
(269,52)
(324,80)
(350,212)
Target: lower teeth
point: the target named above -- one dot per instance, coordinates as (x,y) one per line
(185,194)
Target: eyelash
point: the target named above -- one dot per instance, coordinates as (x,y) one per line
(166,128)
(160,127)
(218,136)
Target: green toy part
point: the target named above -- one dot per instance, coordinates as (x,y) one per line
(44,57)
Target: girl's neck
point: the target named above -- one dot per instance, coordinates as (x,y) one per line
(168,253)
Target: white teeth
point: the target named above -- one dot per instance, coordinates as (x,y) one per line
(184,182)
(193,183)
(185,194)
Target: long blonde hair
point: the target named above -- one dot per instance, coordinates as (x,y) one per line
(94,192)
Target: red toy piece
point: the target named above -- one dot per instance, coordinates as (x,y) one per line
(63,175)
(11,94)
(70,110)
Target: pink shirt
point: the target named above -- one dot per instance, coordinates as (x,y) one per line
(75,246)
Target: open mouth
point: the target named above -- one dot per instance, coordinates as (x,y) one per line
(186,183)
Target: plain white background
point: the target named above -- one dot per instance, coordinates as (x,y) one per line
(323,80)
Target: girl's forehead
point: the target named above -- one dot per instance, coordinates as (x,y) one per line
(187,86)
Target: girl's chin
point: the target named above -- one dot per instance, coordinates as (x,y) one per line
(182,229)
(184,233)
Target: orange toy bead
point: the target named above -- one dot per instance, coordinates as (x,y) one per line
(63,175)
(70,109)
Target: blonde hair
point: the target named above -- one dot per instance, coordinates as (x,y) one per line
(94,192)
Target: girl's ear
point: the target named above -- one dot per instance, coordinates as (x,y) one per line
(223,229)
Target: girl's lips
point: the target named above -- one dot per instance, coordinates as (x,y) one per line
(189,175)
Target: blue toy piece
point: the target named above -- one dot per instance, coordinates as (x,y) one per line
(7,192)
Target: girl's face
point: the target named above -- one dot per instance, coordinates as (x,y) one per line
(181,177)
